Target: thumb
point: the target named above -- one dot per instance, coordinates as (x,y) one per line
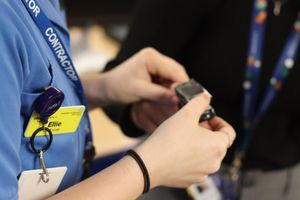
(196,107)
(156,93)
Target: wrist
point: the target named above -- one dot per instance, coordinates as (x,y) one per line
(95,87)
(113,86)
(143,169)
(151,164)
(132,169)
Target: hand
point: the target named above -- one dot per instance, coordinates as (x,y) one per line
(142,77)
(133,80)
(148,115)
(181,152)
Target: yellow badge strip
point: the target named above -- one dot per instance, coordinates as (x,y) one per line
(65,120)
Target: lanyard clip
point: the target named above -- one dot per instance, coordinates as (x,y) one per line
(277,6)
(45,173)
(236,166)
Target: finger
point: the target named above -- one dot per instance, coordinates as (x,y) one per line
(153,92)
(150,128)
(142,120)
(203,182)
(205,124)
(163,66)
(147,124)
(173,86)
(168,109)
(220,125)
(196,107)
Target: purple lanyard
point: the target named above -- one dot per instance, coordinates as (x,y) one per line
(284,65)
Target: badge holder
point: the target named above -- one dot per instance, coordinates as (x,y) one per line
(45,106)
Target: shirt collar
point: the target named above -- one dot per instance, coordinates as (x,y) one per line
(52,10)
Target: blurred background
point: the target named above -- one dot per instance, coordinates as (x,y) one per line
(97,28)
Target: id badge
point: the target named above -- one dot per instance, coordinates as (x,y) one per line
(223,185)
(205,191)
(31,186)
(64,120)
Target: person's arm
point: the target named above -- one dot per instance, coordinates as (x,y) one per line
(123,180)
(179,153)
(12,74)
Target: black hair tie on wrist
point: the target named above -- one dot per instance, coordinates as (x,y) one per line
(142,165)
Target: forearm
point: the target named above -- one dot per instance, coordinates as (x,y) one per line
(179,153)
(123,180)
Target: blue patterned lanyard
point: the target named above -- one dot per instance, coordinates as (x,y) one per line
(61,55)
(284,65)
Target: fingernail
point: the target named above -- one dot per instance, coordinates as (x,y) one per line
(206,92)
(206,95)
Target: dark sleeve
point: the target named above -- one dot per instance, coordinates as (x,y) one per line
(166,25)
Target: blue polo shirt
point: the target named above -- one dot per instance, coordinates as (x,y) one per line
(27,66)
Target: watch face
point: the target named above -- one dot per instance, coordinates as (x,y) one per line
(186,91)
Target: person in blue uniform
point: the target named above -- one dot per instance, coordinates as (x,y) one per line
(32,60)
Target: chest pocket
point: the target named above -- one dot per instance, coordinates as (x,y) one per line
(34,86)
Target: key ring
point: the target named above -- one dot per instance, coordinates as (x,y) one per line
(47,145)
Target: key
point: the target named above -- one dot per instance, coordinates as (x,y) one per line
(44,174)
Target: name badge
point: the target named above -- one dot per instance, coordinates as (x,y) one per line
(65,120)
(31,186)
(205,191)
